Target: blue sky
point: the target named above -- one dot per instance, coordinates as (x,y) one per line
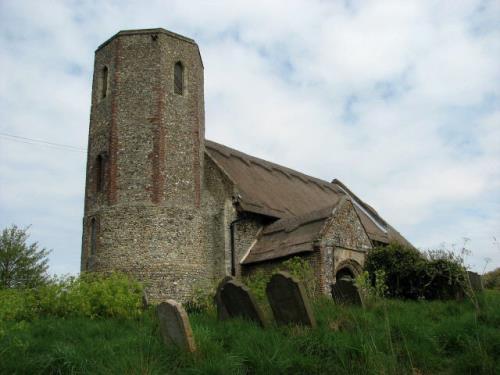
(400,100)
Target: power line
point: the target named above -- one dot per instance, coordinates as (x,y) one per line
(31,141)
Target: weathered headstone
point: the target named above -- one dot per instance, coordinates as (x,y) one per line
(289,300)
(475,281)
(174,325)
(240,302)
(222,313)
(344,292)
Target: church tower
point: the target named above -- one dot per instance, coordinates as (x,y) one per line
(143,212)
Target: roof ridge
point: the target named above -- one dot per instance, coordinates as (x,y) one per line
(227,151)
(365,205)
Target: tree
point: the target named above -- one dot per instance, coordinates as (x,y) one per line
(21,265)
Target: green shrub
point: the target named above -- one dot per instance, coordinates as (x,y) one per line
(403,267)
(444,276)
(17,304)
(89,295)
(436,274)
(491,280)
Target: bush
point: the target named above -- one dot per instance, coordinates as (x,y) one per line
(436,274)
(491,280)
(444,276)
(17,304)
(89,295)
(403,267)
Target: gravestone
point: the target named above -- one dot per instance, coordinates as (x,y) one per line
(222,313)
(240,302)
(289,301)
(174,325)
(344,292)
(475,281)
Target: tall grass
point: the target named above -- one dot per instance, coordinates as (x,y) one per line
(389,337)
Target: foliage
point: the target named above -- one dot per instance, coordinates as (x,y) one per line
(444,275)
(371,291)
(257,282)
(403,267)
(22,265)
(391,337)
(17,304)
(491,280)
(296,266)
(413,275)
(90,295)
(302,270)
(202,298)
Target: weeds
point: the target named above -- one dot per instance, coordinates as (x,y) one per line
(390,337)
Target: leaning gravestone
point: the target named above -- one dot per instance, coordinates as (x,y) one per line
(344,292)
(240,302)
(222,313)
(174,325)
(475,281)
(289,301)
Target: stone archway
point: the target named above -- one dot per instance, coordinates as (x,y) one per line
(347,269)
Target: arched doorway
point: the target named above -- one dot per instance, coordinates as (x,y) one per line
(347,270)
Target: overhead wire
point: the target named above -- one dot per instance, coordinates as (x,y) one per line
(39,142)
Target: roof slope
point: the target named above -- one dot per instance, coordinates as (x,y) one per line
(276,191)
(289,236)
(270,189)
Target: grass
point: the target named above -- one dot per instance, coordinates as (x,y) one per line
(389,337)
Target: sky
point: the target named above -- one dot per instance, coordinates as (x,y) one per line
(400,100)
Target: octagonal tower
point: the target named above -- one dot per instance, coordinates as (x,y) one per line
(145,162)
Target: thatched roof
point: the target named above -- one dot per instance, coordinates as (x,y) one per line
(293,198)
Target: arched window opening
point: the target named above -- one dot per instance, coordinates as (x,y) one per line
(178,78)
(93,236)
(99,172)
(104,84)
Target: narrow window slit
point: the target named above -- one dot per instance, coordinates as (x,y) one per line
(178,78)
(104,91)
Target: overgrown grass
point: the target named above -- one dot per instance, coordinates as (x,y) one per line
(389,337)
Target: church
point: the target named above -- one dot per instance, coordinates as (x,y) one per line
(178,211)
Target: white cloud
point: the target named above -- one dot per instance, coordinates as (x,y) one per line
(397,99)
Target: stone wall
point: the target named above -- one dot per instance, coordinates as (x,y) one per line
(245,234)
(217,201)
(151,220)
(343,238)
